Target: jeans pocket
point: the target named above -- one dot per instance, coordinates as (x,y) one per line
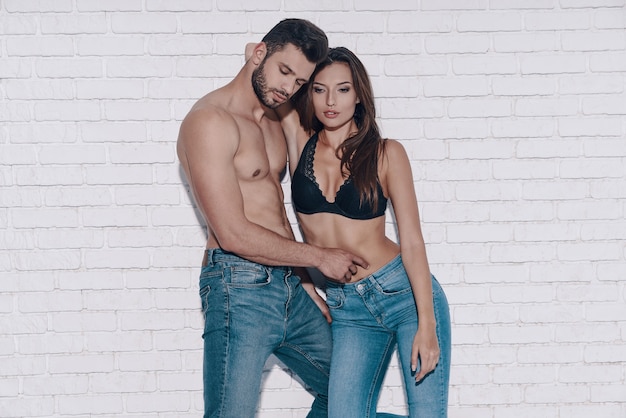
(246,276)
(204,298)
(395,282)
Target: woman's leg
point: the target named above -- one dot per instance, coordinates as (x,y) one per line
(429,397)
(358,364)
(361,352)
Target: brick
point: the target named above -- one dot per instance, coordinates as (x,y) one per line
(130,22)
(525,169)
(550,354)
(16,68)
(422,22)
(47,46)
(472,108)
(75,405)
(449,44)
(561,20)
(109,6)
(607,105)
(26,6)
(126,382)
(149,361)
(606,62)
(16,407)
(522,128)
(525,42)
(459,128)
(75,110)
(526,86)
(556,394)
(482,233)
(543,107)
(83,321)
(527,334)
(110,46)
(39,89)
(520,253)
(116,259)
(515,375)
(586,3)
(454,5)
(553,64)
(590,332)
(496,273)
(68,67)
(492,22)
(214,23)
(93,23)
(19,24)
(609,19)
(546,232)
(603,41)
(34,302)
(181,6)
(128,341)
(501,394)
(414,65)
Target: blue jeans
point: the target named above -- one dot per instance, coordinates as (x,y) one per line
(252,311)
(371,317)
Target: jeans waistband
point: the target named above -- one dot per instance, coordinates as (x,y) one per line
(217,255)
(367,282)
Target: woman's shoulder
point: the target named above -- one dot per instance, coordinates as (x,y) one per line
(393,150)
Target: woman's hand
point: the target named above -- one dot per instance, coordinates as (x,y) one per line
(426,348)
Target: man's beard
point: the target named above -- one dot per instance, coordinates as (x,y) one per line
(259,84)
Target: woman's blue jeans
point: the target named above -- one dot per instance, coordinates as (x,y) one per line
(252,311)
(371,317)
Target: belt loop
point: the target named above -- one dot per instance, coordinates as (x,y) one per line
(208,257)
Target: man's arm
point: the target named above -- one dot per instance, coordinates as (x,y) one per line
(208,142)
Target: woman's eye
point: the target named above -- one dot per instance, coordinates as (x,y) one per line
(344,90)
(317,90)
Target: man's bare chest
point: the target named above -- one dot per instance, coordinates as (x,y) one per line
(261,153)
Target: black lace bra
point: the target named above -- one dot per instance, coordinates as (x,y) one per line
(308,198)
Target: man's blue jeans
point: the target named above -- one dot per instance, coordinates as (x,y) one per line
(252,311)
(371,317)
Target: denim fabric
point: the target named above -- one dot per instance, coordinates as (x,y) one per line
(252,311)
(370,318)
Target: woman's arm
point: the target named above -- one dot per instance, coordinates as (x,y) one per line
(400,187)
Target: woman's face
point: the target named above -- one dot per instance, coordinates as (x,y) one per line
(334,96)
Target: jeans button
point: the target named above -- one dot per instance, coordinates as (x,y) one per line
(359,286)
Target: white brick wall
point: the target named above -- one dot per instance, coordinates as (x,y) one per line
(514,115)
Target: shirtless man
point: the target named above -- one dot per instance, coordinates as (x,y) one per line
(232,149)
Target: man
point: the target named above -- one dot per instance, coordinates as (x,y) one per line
(233,152)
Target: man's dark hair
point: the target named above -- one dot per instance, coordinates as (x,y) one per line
(304,35)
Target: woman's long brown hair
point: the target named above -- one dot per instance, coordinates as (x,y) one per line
(360,152)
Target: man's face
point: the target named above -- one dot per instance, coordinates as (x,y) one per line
(280,75)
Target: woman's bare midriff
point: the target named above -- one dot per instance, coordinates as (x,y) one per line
(365,238)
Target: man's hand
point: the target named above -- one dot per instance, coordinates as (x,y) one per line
(340,265)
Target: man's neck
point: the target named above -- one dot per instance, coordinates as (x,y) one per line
(243,99)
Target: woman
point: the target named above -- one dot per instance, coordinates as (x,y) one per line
(343,173)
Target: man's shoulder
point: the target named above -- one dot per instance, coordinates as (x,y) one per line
(207,119)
